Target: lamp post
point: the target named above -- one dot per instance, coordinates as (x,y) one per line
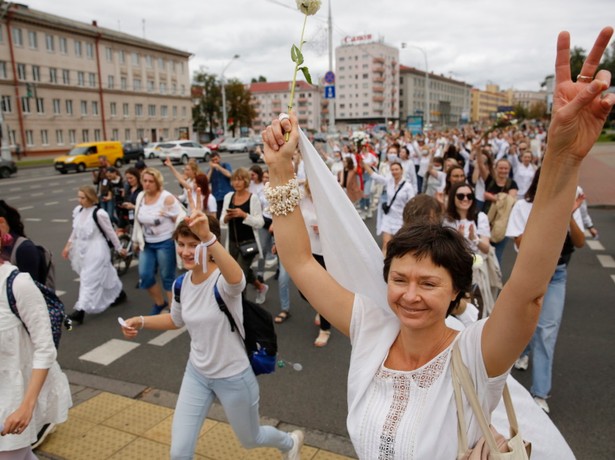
(427,98)
(224,122)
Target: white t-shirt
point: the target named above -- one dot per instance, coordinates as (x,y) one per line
(157,221)
(309,217)
(409,414)
(215,351)
(481,227)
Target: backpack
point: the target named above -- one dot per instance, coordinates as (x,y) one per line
(47,270)
(260,341)
(55,307)
(95,217)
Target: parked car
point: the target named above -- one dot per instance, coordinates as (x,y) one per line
(85,155)
(152,150)
(257,156)
(182,151)
(133,151)
(241,144)
(7,167)
(215,144)
(223,146)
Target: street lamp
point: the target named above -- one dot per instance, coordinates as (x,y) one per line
(224,122)
(427,98)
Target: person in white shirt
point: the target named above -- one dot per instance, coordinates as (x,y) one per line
(523,169)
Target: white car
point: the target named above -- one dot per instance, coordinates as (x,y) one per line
(151,150)
(183,151)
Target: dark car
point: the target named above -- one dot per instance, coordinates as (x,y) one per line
(7,167)
(133,151)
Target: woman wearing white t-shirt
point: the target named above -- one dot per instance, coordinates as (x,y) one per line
(218,366)
(523,172)
(461,214)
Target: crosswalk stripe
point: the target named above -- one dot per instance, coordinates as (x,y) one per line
(594,245)
(606,261)
(33,219)
(109,351)
(23,208)
(15,189)
(613,277)
(166,337)
(51,203)
(59,220)
(60,293)
(37,194)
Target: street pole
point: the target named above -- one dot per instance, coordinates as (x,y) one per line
(224,120)
(331,101)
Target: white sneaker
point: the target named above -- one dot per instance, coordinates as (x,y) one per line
(260,295)
(542,403)
(522,363)
(370,214)
(295,452)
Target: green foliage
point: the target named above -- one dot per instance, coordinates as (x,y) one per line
(577,57)
(296,55)
(306,74)
(207,113)
(240,111)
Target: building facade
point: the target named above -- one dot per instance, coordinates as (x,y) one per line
(527,99)
(63,82)
(367,81)
(269,99)
(449,99)
(485,103)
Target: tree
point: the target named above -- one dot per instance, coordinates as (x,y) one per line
(608,62)
(207,113)
(537,111)
(260,79)
(240,111)
(577,58)
(520,112)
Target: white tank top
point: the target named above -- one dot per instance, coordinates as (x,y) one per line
(158,220)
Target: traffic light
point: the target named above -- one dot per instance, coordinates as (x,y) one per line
(29,90)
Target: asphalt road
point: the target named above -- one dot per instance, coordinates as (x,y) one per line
(582,405)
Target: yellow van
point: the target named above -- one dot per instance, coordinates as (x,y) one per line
(85,155)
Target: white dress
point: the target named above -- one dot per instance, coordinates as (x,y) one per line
(20,352)
(91,259)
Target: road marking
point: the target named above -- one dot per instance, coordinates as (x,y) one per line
(53,183)
(613,277)
(57,191)
(37,194)
(109,351)
(60,221)
(11,198)
(23,208)
(15,189)
(166,337)
(51,203)
(60,293)
(35,186)
(606,261)
(33,219)
(73,199)
(594,245)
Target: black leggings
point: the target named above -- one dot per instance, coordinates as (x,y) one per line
(324,324)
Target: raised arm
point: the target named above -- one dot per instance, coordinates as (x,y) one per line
(579,112)
(292,241)
(180,178)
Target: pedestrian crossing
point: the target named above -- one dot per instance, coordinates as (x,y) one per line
(605,260)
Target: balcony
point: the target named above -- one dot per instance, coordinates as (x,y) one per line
(378,98)
(378,60)
(378,80)
(378,89)
(378,69)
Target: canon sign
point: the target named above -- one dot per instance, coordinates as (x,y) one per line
(357,39)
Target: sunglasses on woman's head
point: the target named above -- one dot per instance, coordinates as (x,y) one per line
(461,196)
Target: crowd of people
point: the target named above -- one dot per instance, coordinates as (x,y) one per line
(446,203)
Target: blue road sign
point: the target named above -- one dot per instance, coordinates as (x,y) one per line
(330,77)
(330,92)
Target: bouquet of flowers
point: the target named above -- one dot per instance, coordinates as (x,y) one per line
(359,138)
(502,120)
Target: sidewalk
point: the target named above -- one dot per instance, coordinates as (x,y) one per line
(597,176)
(125,421)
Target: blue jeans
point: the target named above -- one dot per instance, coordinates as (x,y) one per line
(542,345)
(157,255)
(283,287)
(266,239)
(365,201)
(499,249)
(239,396)
(109,207)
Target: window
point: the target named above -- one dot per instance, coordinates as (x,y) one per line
(151,110)
(137,84)
(183,90)
(174,111)
(40,105)
(123,83)
(32,40)
(184,112)
(44,137)
(53,75)
(3,69)
(135,59)
(80,79)
(21,71)
(125,110)
(140,133)
(127,134)
(113,109)
(94,107)
(122,56)
(59,137)
(85,135)
(174,86)
(25,104)
(12,137)
(50,42)
(56,106)
(78,49)
(84,107)
(150,85)
(36,73)
(164,111)
(163,88)
(17,36)
(92,79)
(110,81)
(1,34)
(6,104)
(161,64)
(97,136)
(29,137)
(139,110)
(173,63)
(72,136)
(69,106)
(63,45)
(115,134)
(66,76)
(109,54)
(89,50)
(149,62)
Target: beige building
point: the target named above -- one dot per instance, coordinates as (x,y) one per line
(269,99)
(63,82)
(367,81)
(449,99)
(527,99)
(485,103)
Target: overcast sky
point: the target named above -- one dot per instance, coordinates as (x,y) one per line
(507,42)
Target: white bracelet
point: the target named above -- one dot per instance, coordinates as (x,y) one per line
(142,322)
(201,250)
(283,199)
(212,240)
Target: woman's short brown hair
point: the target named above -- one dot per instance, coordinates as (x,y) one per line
(183,229)
(241,173)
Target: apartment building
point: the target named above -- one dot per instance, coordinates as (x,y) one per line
(485,103)
(449,99)
(527,99)
(63,82)
(367,81)
(269,99)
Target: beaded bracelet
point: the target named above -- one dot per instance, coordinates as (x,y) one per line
(283,199)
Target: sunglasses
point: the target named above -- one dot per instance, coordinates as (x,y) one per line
(462,196)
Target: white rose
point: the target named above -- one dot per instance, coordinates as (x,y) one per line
(309,7)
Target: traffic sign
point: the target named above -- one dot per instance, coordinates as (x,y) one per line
(330,77)
(330,92)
